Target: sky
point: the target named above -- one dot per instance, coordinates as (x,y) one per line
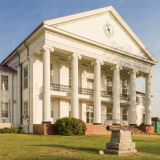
(18,18)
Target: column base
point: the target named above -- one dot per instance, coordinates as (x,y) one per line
(97,123)
(118,124)
(46,122)
(133,124)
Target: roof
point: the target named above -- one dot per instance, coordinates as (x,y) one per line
(56,21)
(7,69)
(140,92)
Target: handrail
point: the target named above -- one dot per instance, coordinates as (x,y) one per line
(106,94)
(59,87)
(125,97)
(117,121)
(85,91)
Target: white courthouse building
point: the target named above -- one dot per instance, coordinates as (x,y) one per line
(83,65)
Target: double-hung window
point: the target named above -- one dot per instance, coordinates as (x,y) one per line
(124,114)
(26,77)
(124,86)
(26,108)
(109,113)
(4,82)
(51,73)
(4,110)
(109,84)
(52,104)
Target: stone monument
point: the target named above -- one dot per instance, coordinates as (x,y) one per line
(120,142)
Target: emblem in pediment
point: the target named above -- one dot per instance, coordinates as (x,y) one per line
(108,30)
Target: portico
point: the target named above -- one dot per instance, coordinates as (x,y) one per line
(79,92)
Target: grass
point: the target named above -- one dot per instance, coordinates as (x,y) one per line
(35,147)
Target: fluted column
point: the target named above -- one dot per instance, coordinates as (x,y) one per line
(97,91)
(74,84)
(148,100)
(116,95)
(46,83)
(132,109)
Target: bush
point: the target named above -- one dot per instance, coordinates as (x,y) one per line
(153,125)
(10,130)
(70,126)
(142,124)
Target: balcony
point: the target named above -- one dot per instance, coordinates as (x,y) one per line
(85,91)
(124,97)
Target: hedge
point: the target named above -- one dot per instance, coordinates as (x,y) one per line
(70,126)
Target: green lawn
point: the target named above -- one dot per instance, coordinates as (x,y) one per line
(34,147)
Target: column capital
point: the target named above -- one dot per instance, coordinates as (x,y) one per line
(117,67)
(97,62)
(134,71)
(149,75)
(74,55)
(46,47)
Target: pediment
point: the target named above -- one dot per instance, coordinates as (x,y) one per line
(104,26)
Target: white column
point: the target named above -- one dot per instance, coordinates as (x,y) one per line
(148,100)
(116,95)
(74,84)
(132,109)
(97,91)
(46,83)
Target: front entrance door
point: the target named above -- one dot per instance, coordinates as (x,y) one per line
(89,114)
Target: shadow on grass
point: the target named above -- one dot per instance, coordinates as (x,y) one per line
(93,150)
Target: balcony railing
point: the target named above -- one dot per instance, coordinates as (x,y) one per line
(61,88)
(124,97)
(106,94)
(85,91)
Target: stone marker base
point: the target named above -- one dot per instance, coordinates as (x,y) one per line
(116,152)
(120,149)
(120,144)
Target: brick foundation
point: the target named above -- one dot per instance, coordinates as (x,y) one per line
(44,129)
(89,130)
(50,129)
(147,129)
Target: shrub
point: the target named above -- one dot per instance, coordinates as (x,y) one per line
(70,126)
(142,124)
(153,125)
(10,130)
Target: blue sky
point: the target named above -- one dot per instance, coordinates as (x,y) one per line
(19,18)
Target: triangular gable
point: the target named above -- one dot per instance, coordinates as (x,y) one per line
(104,26)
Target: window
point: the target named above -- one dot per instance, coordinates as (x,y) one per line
(124,87)
(90,80)
(4,110)
(143,118)
(137,99)
(143,99)
(26,77)
(124,114)
(69,76)
(109,113)
(109,84)
(70,110)
(51,73)
(89,117)
(52,103)
(4,82)
(26,108)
